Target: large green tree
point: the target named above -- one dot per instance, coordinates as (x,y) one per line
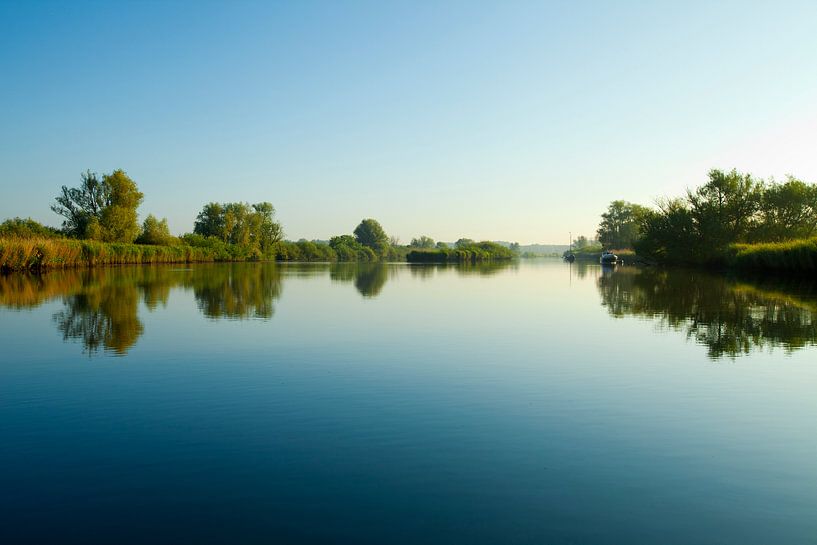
(422,242)
(621,224)
(253,226)
(155,232)
(787,211)
(724,208)
(102,209)
(370,233)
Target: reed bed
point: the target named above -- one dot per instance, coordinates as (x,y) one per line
(793,256)
(32,254)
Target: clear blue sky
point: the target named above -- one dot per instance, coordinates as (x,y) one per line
(500,120)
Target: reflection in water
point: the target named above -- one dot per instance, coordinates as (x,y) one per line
(236,291)
(102,315)
(101,306)
(425,271)
(729,317)
(369,278)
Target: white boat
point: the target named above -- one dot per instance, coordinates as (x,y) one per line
(609,258)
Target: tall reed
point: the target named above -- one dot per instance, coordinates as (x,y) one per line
(33,254)
(794,255)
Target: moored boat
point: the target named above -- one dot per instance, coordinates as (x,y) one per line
(609,258)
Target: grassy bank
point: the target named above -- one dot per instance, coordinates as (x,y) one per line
(33,254)
(792,256)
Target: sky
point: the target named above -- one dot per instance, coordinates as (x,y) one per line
(515,121)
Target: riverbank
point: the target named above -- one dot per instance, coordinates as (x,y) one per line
(32,254)
(792,256)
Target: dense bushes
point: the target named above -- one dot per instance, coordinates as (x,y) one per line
(733,219)
(27,228)
(467,252)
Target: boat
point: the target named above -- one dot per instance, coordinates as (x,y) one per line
(609,258)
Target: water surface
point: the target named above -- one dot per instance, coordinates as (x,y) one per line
(527,403)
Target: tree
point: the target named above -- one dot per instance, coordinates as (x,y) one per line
(581,242)
(621,224)
(79,204)
(250,226)
(442,246)
(422,242)
(370,233)
(155,232)
(101,209)
(724,208)
(788,211)
(464,242)
(27,228)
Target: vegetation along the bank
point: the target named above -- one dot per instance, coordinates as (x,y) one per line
(100,227)
(734,220)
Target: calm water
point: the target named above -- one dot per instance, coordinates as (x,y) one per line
(531,403)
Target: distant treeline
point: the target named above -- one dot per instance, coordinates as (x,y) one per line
(734,219)
(464,251)
(100,227)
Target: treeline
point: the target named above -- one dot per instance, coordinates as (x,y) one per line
(733,219)
(100,226)
(464,251)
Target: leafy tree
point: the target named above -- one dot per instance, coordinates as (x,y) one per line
(441,246)
(250,226)
(422,242)
(370,233)
(723,209)
(788,211)
(101,209)
(78,205)
(210,221)
(464,242)
(27,228)
(620,225)
(581,242)
(155,232)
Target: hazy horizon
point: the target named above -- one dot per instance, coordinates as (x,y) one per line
(516,122)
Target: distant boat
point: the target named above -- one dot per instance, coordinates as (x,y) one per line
(609,258)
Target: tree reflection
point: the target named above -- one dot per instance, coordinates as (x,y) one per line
(369,278)
(102,316)
(236,291)
(728,316)
(101,306)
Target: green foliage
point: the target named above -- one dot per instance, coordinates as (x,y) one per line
(250,226)
(422,242)
(620,226)
(441,246)
(155,232)
(27,228)
(370,233)
(18,254)
(101,209)
(347,248)
(793,255)
(463,253)
(305,250)
(117,219)
(731,209)
(787,211)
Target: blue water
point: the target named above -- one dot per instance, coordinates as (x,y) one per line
(531,403)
